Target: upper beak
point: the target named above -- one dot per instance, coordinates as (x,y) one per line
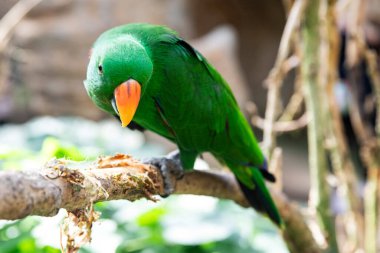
(125,100)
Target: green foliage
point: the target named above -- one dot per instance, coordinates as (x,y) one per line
(53,147)
(151,218)
(10,159)
(189,224)
(16,237)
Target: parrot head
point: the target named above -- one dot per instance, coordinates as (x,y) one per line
(117,76)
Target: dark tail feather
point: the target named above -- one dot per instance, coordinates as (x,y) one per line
(264,171)
(260,198)
(266,174)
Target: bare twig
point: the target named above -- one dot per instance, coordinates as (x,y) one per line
(294,106)
(12,18)
(276,76)
(282,126)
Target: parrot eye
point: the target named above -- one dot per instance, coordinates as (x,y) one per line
(100,69)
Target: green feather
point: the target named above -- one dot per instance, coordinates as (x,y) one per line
(183,99)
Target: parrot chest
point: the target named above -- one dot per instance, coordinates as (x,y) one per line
(180,121)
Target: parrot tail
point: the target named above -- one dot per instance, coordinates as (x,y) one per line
(260,198)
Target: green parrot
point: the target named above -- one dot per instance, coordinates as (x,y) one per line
(150,78)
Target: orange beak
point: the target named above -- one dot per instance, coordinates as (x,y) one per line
(127,97)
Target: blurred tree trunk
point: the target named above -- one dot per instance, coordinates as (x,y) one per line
(320,192)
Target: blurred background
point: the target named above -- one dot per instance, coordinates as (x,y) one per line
(45,112)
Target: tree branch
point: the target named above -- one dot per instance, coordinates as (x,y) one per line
(277,74)
(73,186)
(12,18)
(319,198)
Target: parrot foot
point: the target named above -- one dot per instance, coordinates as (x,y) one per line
(171,170)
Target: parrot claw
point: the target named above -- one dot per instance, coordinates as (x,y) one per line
(171,170)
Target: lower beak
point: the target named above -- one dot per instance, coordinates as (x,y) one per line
(126,99)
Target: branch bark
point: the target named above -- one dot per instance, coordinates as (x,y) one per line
(73,186)
(358,50)
(335,138)
(310,71)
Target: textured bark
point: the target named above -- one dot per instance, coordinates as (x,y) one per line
(63,185)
